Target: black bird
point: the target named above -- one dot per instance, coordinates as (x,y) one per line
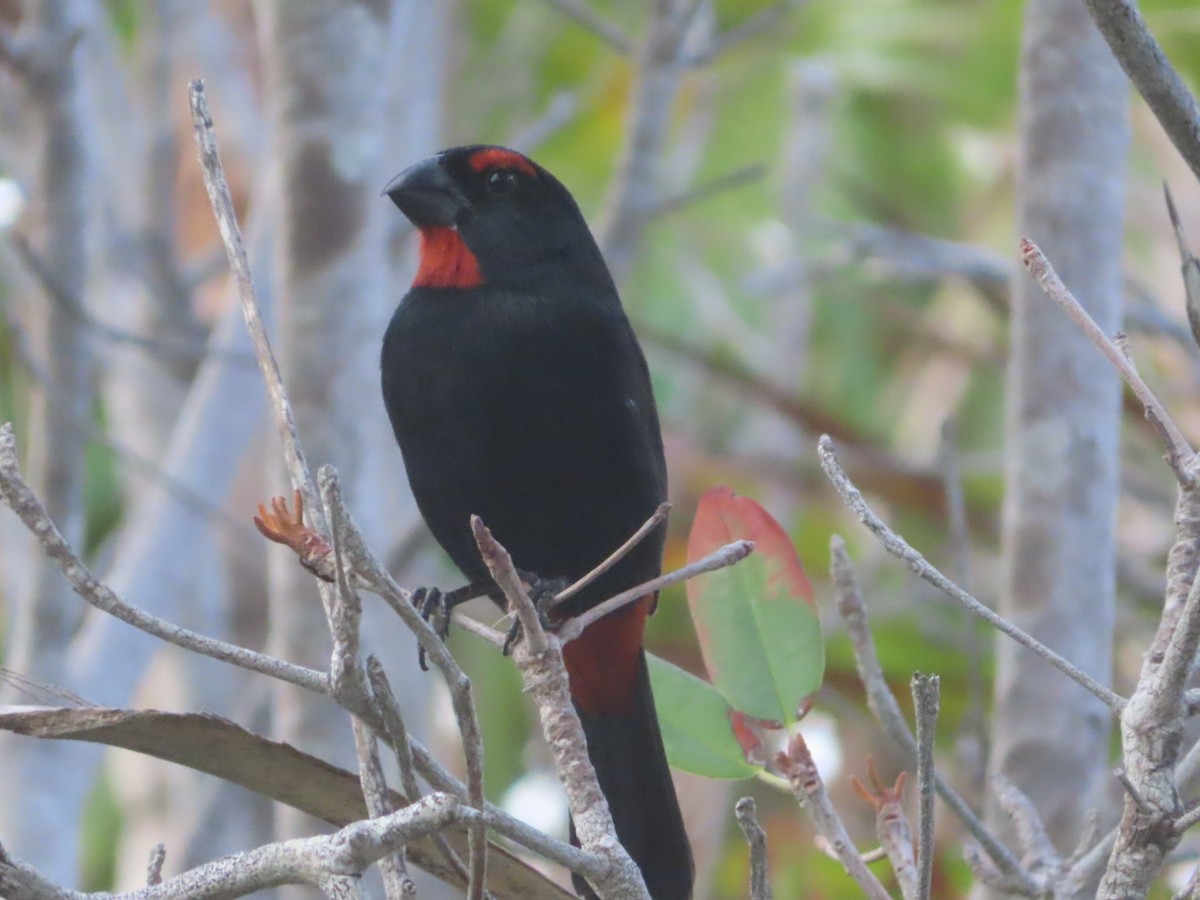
(518,392)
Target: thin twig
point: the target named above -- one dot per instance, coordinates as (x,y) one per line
(21,500)
(345,610)
(925,691)
(1180,455)
(239,264)
(657,518)
(397,738)
(1189,268)
(809,790)
(899,548)
(539,657)
(720,558)
(1147,66)
(707,190)
(51,285)
(974,724)
(885,709)
(747,818)
(1039,854)
(765,19)
(393,867)
(317,861)
(376,579)
(587,18)
(154,868)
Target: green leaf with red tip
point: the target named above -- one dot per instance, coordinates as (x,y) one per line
(756,621)
(698,726)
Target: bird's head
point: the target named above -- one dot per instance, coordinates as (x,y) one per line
(489,215)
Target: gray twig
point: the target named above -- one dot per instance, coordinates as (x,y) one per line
(808,788)
(926,692)
(376,579)
(720,558)
(239,264)
(1147,66)
(587,18)
(154,868)
(1039,855)
(397,738)
(1180,455)
(1189,268)
(657,518)
(393,867)
(899,548)
(539,657)
(885,709)
(747,818)
(21,500)
(324,861)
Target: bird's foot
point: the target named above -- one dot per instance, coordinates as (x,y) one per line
(436,607)
(542,592)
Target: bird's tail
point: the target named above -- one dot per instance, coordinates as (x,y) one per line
(627,752)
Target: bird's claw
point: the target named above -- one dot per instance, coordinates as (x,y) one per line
(431,604)
(542,592)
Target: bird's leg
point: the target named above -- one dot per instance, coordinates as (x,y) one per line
(435,607)
(542,592)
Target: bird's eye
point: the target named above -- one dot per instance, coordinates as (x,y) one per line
(501,181)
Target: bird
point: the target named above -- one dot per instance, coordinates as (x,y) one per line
(518,392)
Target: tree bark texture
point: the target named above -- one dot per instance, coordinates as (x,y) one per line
(1063,417)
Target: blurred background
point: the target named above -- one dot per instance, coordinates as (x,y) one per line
(811,210)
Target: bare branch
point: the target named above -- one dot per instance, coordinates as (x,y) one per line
(657,518)
(379,581)
(587,18)
(316,861)
(21,500)
(883,705)
(1151,735)
(1143,60)
(747,818)
(539,657)
(633,195)
(1189,268)
(1180,455)
(925,691)
(720,558)
(393,867)
(397,738)
(235,249)
(766,19)
(154,868)
(1039,856)
(809,790)
(899,548)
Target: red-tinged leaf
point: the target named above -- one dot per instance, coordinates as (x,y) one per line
(747,737)
(756,621)
(695,723)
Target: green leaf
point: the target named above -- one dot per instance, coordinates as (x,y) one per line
(757,621)
(695,723)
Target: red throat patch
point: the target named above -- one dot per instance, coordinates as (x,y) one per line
(446,261)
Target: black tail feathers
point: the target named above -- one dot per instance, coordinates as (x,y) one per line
(631,765)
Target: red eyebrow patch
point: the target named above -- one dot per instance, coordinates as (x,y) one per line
(499,158)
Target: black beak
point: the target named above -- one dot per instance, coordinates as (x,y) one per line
(427,194)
